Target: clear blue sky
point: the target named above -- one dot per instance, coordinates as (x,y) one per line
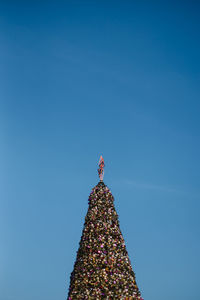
(80,79)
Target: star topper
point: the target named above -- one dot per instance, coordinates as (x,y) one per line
(101,168)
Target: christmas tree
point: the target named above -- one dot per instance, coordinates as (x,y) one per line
(102,269)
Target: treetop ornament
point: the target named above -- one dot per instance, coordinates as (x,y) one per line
(101,168)
(102,269)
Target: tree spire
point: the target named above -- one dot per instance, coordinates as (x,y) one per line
(101,168)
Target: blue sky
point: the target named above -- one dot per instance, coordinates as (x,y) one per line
(85,78)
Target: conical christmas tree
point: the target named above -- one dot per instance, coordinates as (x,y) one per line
(102,269)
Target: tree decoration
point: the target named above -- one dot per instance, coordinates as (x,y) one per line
(102,269)
(101,168)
